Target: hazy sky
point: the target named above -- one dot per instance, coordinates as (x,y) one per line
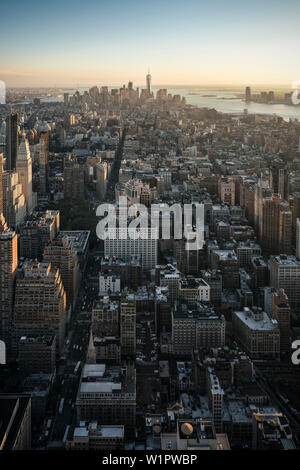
(70,42)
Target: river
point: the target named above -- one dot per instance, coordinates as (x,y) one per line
(226,102)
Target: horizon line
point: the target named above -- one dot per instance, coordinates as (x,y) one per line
(74,86)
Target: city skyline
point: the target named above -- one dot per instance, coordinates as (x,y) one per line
(104,42)
(149,229)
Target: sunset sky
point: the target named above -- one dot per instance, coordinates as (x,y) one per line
(191,42)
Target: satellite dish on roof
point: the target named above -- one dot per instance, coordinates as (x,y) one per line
(187,429)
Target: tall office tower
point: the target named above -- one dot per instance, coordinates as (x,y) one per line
(168,276)
(285,274)
(40,304)
(61,133)
(44,163)
(259,272)
(276,226)
(15,424)
(66,99)
(12,141)
(94,93)
(37,232)
(1,183)
(14,204)
(80,239)
(108,394)
(262,190)
(294,201)
(8,269)
(105,317)
(245,251)
(227,191)
(298,240)
(162,94)
(162,311)
(128,325)
(282,313)
(24,170)
(215,395)
(250,204)
(128,274)
(125,248)
(101,179)
(61,254)
(73,179)
(194,328)
(227,262)
(279,181)
(214,280)
(132,190)
(187,260)
(248,93)
(71,119)
(148,83)
(37,354)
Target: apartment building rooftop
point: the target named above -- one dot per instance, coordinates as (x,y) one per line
(286,260)
(105,303)
(225,255)
(100,378)
(201,311)
(257,319)
(190,282)
(78,238)
(168,271)
(86,429)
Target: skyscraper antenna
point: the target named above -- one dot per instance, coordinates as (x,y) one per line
(148,82)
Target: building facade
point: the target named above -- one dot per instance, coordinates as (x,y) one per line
(257,333)
(8,270)
(108,395)
(40,303)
